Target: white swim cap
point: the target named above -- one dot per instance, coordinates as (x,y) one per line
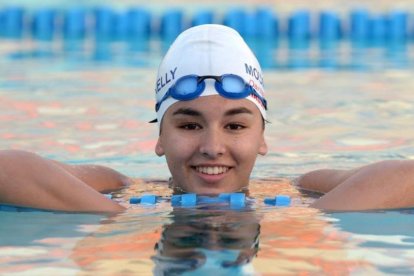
(208,50)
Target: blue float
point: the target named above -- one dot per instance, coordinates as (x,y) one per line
(378,28)
(266,23)
(397,29)
(236,18)
(43,24)
(172,24)
(250,25)
(188,200)
(203,17)
(279,200)
(12,22)
(105,22)
(74,23)
(329,26)
(360,24)
(149,199)
(299,25)
(138,23)
(120,27)
(184,200)
(235,199)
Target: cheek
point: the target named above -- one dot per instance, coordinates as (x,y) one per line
(246,149)
(177,148)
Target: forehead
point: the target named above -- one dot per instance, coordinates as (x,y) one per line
(214,106)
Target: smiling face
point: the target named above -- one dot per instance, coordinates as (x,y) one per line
(211,143)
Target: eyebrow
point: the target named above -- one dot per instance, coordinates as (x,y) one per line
(239,110)
(231,112)
(187,111)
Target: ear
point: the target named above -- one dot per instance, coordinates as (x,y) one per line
(159,149)
(263,146)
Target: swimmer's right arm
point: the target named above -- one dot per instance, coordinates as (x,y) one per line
(27,179)
(100,178)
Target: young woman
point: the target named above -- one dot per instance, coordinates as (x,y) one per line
(211,112)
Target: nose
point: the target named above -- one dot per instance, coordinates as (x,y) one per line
(212,144)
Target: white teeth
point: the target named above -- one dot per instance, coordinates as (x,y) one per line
(212,170)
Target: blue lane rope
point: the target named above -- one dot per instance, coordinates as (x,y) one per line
(234,200)
(263,22)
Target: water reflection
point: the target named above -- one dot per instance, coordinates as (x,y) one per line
(31,241)
(202,241)
(385,238)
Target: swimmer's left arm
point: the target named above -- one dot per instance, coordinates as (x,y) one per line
(382,185)
(324,180)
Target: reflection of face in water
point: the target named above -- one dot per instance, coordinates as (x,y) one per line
(200,239)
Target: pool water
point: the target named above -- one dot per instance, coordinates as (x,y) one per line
(79,103)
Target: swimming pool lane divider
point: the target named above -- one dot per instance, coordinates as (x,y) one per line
(191,200)
(235,200)
(263,22)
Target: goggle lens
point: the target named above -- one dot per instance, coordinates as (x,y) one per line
(186,86)
(233,84)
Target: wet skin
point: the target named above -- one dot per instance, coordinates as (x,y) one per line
(211,143)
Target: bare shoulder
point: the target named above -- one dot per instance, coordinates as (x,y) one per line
(57,185)
(380,185)
(16,158)
(101,178)
(323,180)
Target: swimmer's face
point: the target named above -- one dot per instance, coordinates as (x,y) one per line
(211,143)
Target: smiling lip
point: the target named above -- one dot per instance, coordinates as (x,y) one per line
(211,173)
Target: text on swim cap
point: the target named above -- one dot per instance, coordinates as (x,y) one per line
(252,71)
(258,100)
(256,87)
(163,80)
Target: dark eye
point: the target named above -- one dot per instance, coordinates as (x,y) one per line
(190,126)
(235,126)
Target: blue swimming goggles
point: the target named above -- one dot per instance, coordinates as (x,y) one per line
(229,86)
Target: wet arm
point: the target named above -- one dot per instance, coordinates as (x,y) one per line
(100,178)
(29,180)
(382,185)
(324,180)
